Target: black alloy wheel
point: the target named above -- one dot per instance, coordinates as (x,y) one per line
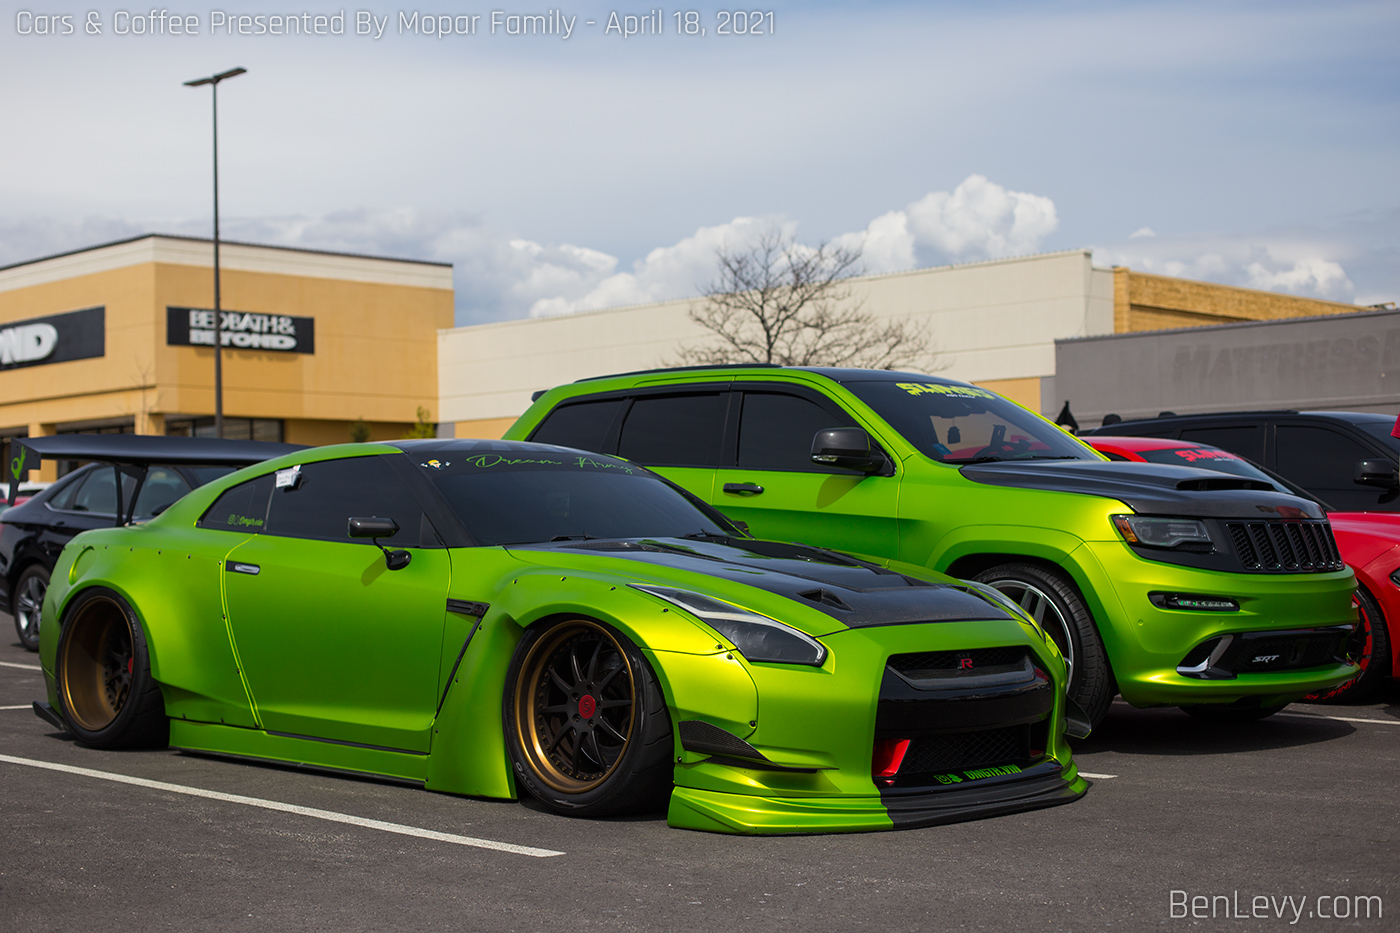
(29,604)
(105,689)
(586,725)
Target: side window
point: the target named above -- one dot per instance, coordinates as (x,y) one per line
(161,488)
(241,508)
(63,498)
(583,425)
(776,431)
(674,430)
(332,491)
(1323,462)
(1246,440)
(98,492)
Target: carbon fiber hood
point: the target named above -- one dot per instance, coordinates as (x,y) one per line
(854,592)
(1149,488)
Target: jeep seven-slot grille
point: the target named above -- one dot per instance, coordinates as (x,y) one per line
(1285,546)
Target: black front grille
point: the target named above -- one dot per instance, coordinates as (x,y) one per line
(913,665)
(1289,652)
(1285,546)
(963,751)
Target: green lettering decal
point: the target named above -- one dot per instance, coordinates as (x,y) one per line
(17,463)
(997,771)
(490,460)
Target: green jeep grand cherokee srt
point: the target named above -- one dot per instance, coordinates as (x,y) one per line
(1169,585)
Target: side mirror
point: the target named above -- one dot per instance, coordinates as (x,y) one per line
(376,528)
(848,448)
(1378,472)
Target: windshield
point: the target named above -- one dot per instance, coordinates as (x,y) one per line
(1207,458)
(965,424)
(528,496)
(1380,430)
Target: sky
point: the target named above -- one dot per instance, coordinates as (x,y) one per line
(1249,143)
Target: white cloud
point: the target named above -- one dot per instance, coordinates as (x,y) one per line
(1300,265)
(1141,232)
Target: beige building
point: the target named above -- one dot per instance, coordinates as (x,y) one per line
(994,323)
(119,338)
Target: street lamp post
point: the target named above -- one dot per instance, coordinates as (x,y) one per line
(213,82)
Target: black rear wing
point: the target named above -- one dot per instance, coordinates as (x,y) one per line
(134,454)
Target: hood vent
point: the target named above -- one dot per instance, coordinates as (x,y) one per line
(826,598)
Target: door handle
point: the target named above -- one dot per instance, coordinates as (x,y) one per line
(234,566)
(743,489)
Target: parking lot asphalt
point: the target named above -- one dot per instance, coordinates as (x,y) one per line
(1299,810)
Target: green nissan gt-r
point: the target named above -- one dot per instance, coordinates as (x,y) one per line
(495,618)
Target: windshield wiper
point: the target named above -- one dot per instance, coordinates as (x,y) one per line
(573,538)
(706,536)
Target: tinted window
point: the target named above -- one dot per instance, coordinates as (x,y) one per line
(1247,440)
(98,492)
(241,508)
(333,491)
(674,430)
(1380,430)
(522,497)
(161,488)
(1323,462)
(584,425)
(954,423)
(62,498)
(776,431)
(1206,458)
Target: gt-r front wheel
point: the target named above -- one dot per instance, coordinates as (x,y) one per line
(586,724)
(29,604)
(1370,647)
(105,689)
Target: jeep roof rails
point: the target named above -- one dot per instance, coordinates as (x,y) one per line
(682,369)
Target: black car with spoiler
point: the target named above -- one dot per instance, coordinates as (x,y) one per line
(130,478)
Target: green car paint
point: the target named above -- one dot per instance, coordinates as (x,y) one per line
(311,651)
(965,518)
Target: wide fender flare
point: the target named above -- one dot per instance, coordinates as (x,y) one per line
(698,678)
(176,597)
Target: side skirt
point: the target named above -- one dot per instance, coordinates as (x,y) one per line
(338,757)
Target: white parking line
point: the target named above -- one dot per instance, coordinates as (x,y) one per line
(23,667)
(1096,777)
(1379,722)
(21,706)
(329,815)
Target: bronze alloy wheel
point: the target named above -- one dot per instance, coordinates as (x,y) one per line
(575,697)
(96,662)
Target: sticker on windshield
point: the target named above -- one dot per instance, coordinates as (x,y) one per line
(582,462)
(1198,453)
(436,464)
(929,388)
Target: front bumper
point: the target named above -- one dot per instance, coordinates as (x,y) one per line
(813,741)
(1147,644)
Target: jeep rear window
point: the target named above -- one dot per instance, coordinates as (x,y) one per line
(965,424)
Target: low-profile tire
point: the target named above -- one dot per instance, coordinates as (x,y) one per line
(1226,714)
(1052,600)
(103,671)
(30,588)
(1370,646)
(586,724)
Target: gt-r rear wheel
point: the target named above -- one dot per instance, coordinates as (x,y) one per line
(105,689)
(29,604)
(586,724)
(1050,598)
(1370,647)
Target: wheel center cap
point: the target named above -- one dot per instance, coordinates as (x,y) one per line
(587,706)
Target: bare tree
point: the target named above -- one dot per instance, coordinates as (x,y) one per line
(781,302)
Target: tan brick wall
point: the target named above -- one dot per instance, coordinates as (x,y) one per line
(1142,301)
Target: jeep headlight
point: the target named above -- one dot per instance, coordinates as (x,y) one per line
(756,637)
(1187,534)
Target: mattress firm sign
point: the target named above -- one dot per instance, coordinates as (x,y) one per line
(57,338)
(194,327)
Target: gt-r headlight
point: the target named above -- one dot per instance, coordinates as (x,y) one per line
(757,637)
(1187,534)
